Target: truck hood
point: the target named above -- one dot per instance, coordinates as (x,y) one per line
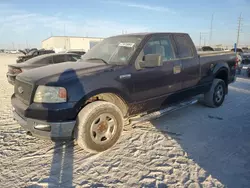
(62,71)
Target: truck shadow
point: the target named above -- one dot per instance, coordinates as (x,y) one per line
(216,142)
(61,171)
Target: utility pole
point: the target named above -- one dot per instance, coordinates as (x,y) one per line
(202,36)
(200,40)
(239,30)
(211,30)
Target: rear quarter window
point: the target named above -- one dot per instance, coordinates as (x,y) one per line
(73,57)
(184,46)
(59,59)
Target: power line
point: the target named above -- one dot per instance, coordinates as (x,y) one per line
(239,30)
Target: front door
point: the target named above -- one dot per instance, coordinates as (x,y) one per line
(158,82)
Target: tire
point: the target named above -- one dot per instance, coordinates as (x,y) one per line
(99,126)
(211,98)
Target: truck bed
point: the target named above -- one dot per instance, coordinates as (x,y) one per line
(207,58)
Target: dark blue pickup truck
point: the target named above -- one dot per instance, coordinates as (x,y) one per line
(121,78)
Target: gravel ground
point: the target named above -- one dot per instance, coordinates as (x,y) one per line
(193,147)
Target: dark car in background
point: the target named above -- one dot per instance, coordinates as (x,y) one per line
(32,53)
(245,49)
(239,50)
(205,49)
(39,61)
(79,52)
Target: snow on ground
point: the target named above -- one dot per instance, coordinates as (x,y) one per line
(193,147)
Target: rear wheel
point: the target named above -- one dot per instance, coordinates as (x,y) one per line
(99,126)
(215,97)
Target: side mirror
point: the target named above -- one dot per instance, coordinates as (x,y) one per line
(151,60)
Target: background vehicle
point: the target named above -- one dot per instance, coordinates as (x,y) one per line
(39,61)
(32,53)
(239,50)
(119,79)
(205,49)
(245,49)
(245,65)
(14,51)
(76,52)
(246,58)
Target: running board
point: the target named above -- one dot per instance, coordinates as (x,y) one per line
(162,112)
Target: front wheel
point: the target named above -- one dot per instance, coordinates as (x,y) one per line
(216,95)
(99,126)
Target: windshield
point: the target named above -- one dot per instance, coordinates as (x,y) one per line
(114,50)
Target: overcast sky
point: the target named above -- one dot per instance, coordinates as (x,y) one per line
(29,21)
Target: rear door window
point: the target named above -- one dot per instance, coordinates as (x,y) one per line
(184,46)
(59,59)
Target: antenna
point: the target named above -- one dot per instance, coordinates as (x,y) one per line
(211,30)
(203,36)
(200,40)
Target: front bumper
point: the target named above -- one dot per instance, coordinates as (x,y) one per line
(11,78)
(53,130)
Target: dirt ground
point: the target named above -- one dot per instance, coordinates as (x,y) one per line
(193,147)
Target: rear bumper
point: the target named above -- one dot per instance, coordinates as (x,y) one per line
(46,130)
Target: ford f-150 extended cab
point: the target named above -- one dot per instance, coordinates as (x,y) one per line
(121,78)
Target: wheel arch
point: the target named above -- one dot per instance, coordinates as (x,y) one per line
(112,95)
(222,72)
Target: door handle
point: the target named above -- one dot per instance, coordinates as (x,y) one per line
(177,68)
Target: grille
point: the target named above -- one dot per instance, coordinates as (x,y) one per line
(23,91)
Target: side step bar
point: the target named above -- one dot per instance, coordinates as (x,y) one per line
(162,112)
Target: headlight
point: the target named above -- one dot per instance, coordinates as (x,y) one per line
(50,94)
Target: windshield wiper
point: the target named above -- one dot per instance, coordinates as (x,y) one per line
(98,59)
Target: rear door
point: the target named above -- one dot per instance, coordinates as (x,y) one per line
(157,82)
(190,70)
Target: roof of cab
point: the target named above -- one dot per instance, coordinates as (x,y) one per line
(150,33)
